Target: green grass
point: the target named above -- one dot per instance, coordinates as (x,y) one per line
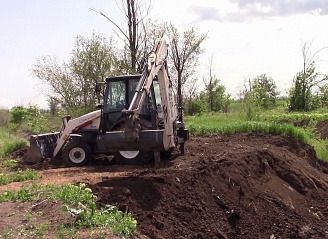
(10,163)
(18,176)
(23,195)
(65,232)
(294,116)
(80,202)
(31,230)
(9,142)
(219,123)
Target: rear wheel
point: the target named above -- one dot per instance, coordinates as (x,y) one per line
(77,153)
(133,157)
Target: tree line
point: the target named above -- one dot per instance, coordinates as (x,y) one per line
(72,83)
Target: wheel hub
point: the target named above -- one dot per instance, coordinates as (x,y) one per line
(129,154)
(77,155)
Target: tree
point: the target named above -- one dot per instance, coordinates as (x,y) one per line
(185,49)
(53,106)
(301,97)
(31,115)
(18,114)
(197,104)
(71,84)
(264,91)
(190,93)
(324,95)
(152,30)
(216,96)
(133,35)
(92,60)
(302,94)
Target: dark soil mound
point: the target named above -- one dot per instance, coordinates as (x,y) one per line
(231,186)
(298,123)
(227,186)
(18,153)
(322,128)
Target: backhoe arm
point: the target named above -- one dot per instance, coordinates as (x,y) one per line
(156,63)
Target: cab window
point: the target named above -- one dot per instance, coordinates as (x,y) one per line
(115,96)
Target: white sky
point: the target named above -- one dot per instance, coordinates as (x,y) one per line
(246,37)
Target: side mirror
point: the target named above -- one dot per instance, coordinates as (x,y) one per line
(99,91)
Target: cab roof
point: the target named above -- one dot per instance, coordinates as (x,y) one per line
(122,78)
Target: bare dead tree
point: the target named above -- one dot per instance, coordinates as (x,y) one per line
(185,50)
(209,82)
(310,57)
(134,12)
(309,60)
(190,91)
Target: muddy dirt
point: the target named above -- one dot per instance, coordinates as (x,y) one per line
(322,128)
(226,186)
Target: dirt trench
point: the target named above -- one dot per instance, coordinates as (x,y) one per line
(245,185)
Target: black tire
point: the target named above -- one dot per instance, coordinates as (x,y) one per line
(134,157)
(77,153)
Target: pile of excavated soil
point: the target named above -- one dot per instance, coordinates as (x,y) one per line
(226,186)
(322,128)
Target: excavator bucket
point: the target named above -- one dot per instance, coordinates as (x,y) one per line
(41,146)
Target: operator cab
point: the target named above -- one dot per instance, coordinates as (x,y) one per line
(118,96)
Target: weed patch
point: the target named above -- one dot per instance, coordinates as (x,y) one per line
(9,143)
(80,202)
(9,163)
(18,176)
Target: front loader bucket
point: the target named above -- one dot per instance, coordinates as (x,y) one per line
(41,146)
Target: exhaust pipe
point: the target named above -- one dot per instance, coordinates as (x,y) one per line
(41,146)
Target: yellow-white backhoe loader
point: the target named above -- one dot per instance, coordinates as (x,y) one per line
(137,120)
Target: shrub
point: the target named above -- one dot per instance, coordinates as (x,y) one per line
(4,118)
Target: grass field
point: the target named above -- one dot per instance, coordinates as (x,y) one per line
(274,121)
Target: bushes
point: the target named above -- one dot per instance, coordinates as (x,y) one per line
(4,117)
(9,143)
(32,119)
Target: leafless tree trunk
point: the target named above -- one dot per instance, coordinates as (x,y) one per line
(209,83)
(185,50)
(190,91)
(134,12)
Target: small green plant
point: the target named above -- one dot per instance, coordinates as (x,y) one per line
(41,229)
(23,195)
(7,233)
(4,117)
(79,202)
(9,142)
(71,194)
(18,176)
(108,217)
(34,230)
(10,163)
(28,216)
(65,232)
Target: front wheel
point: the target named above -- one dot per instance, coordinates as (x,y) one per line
(134,157)
(77,153)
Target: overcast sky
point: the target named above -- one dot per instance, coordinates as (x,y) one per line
(245,37)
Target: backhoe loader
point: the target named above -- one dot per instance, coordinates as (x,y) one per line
(137,120)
